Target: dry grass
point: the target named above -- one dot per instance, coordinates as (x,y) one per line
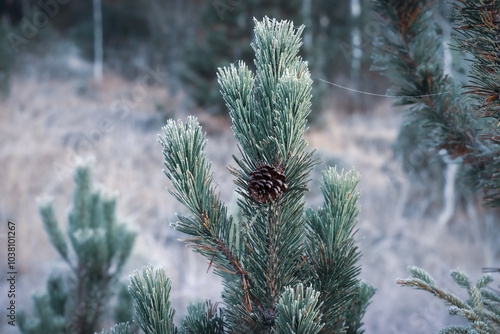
(47,122)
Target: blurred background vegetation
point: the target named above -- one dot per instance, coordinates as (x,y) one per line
(160,59)
(190,39)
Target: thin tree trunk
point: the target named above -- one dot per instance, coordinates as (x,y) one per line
(355,43)
(26,7)
(452,167)
(448,191)
(307,19)
(98,47)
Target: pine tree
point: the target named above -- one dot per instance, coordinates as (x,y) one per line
(75,300)
(461,119)
(285,268)
(446,115)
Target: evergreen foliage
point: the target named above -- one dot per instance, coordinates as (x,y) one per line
(203,318)
(481,310)
(461,120)
(478,28)
(75,301)
(299,311)
(331,247)
(278,247)
(357,309)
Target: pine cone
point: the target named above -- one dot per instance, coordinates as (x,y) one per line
(266,181)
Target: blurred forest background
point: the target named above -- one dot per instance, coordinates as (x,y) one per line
(99,78)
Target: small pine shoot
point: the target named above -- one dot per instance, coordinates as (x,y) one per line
(121,328)
(299,311)
(151,292)
(203,318)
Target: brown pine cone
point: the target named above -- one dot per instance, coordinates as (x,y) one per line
(266,182)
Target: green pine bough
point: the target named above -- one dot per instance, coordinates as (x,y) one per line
(76,300)
(463,120)
(285,268)
(481,310)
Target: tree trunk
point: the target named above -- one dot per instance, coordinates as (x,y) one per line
(355,43)
(98,47)
(307,19)
(26,7)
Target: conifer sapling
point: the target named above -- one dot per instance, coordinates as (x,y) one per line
(76,300)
